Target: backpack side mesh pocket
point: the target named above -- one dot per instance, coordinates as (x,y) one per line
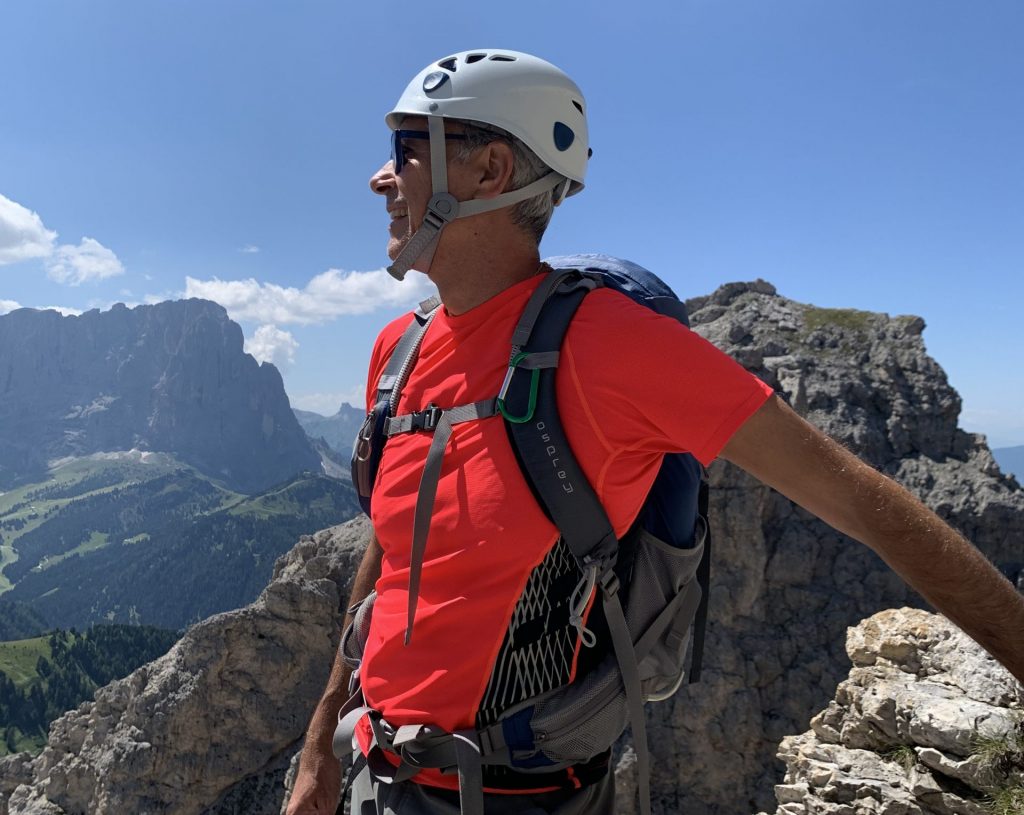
(580,720)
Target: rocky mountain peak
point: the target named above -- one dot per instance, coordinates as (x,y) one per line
(169,377)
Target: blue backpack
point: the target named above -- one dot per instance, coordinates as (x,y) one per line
(653,584)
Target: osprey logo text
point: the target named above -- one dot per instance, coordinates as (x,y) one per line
(553,455)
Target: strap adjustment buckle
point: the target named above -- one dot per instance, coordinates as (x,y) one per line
(427,419)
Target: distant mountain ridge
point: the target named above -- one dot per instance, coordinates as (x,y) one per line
(169,377)
(338,430)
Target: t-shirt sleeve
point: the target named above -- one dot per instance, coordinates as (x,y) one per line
(649,383)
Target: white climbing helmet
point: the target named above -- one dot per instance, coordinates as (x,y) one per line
(519,93)
(523,94)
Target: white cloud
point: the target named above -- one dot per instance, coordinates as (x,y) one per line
(90,260)
(249,249)
(22,234)
(7,306)
(331,294)
(64,310)
(271,344)
(327,404)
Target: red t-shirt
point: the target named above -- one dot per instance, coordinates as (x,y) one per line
(631,384)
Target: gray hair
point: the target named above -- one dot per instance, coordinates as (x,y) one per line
(533,214)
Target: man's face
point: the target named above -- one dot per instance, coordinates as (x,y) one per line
(408,192)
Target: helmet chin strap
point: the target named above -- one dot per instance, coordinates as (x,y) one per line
(442,208)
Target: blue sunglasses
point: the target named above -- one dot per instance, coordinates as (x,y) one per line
(397,151)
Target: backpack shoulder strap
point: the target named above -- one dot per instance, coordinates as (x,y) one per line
(403,358)
(528,402)
(531,410)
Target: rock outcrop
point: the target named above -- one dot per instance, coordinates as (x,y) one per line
(785,586)
(214,721)
(171,377)
(926,724)
(211,726)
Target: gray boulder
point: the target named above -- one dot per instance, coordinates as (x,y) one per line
(926,724)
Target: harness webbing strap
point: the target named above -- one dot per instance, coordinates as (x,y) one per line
(622,643)
(471,775)
(428,492)
(700,621)
(421,746)
(474,206)
(438,154)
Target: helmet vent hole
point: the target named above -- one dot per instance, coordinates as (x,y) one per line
(563,136)
(502,58)
(474,58)
(577,105)
(448,64)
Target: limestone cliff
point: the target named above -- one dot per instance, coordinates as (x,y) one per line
(785,586)
(926,724)
(171,377)
(208,729)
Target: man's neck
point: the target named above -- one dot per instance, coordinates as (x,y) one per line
(479,276)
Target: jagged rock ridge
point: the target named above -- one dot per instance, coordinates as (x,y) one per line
(170,377)
(926,724)
(784,588)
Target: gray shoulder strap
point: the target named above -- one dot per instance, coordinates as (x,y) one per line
(403,358)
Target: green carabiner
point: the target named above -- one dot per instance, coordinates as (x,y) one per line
(534,383)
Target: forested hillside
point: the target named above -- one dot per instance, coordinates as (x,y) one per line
(19,621)
(41,678)
(187,564)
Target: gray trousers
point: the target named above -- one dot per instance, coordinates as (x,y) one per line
(373,797)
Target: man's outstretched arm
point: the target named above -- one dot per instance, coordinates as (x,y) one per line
(318,781)
(787,453)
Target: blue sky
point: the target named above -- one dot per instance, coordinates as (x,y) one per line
(862,154)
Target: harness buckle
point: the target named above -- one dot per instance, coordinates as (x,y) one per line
(427,419)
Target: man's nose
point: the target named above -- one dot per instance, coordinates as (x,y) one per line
(382,180)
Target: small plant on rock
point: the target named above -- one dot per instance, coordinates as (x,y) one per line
(1007,801)
(902,754)
(1002,761)
(1003,754)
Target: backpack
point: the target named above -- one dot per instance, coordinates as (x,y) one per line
(652,584)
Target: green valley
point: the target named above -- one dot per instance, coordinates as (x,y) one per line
(140,538)
(44,676)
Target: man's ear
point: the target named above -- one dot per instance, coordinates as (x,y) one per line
(495,165)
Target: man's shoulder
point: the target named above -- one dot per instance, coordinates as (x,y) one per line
(612,315)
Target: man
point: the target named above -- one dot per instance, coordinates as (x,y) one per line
(485,144)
